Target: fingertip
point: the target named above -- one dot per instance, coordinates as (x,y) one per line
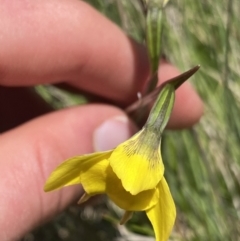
(112,132)
(188,108)
(166,71)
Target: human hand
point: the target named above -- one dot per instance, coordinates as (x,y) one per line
(66,41)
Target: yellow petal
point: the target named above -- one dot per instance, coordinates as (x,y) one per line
(99,178)
(138,163)
(124,199)
(162,216)
(68,173)
(93,177)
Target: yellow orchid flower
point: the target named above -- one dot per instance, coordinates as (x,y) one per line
(132,173)
(95,174)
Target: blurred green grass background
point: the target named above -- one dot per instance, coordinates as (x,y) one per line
(202,163)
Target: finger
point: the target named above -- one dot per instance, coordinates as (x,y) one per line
(30,152)
(67,40)
(188,107)
(43,47)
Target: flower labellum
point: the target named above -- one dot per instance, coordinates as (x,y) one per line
(132,173)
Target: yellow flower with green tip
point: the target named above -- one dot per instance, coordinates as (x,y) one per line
(131,174)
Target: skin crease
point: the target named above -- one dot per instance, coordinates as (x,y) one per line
(51,41)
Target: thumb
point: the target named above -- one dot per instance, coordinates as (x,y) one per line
(32,151)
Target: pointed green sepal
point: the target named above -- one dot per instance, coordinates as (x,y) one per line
(175,82)
(180,79)
(162,109)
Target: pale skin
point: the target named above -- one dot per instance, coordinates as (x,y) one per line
(51,41)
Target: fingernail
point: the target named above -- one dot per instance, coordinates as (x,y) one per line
(113,132)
